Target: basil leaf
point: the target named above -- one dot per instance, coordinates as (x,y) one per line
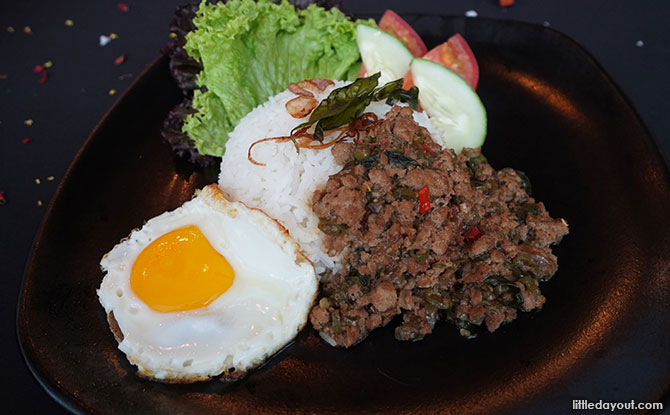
(318,131)
(393,92)
(400,161)
(408,96)
(385,91)
(341,98)
(353,111)
(343,105)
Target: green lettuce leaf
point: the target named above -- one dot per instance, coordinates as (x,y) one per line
(252,50)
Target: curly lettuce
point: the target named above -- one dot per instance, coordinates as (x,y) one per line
(252,50)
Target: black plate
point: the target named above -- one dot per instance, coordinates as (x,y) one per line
(553,113)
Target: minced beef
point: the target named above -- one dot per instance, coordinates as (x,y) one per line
(474,258)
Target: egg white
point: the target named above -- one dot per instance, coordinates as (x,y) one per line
(265,307)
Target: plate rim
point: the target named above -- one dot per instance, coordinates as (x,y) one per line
(62,396)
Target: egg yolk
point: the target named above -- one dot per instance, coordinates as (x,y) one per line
(180,271)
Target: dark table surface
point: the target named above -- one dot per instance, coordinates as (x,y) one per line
(628,39)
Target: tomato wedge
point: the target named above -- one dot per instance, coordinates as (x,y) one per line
(398,27)
(362,72)
(456,55)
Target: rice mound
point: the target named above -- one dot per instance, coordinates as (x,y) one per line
(284,187)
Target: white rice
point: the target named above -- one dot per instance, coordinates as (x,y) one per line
(284,187)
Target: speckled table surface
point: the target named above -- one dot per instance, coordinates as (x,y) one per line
(43,124)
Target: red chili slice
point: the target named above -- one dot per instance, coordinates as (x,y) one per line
(473,234)
(426,148)
(424,199)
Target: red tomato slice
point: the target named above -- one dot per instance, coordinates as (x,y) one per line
(362,72)
(395,25)
(456,55)
(408,81)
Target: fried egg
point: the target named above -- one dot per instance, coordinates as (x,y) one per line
(211,288)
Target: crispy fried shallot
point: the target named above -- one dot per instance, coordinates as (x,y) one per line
(301,106)
(310,87)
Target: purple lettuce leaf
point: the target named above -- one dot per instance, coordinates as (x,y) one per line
(181,144)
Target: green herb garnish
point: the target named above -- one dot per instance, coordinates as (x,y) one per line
(393,92)
(345,104)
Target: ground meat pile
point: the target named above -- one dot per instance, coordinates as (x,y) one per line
(473,258)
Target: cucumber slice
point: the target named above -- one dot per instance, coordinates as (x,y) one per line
(382,52)
(454,108)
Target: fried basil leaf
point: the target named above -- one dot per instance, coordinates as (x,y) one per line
(392,92)
(347,103)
